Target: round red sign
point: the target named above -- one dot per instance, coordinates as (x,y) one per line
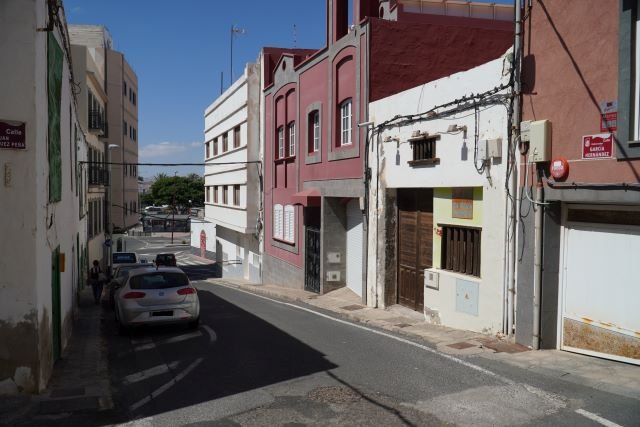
(559,168)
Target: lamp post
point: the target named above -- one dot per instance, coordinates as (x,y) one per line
(109,227)
(173,219)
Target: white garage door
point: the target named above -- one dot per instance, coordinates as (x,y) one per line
(601,290)
(354,247)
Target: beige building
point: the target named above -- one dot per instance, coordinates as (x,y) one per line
(89,45)
(122,118)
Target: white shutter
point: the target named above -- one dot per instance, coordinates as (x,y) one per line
(289,223)
(277,221)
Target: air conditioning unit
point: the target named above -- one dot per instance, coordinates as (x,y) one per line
(432,279)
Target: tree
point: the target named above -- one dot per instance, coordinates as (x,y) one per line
(183,188)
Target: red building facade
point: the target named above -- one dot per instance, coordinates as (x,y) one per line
(316,131)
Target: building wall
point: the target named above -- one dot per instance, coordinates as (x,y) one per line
(236,248)
(591,68)
(124,182)
(455,169)
(33,228)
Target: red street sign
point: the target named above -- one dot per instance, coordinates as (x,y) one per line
(598,146)
(12,135)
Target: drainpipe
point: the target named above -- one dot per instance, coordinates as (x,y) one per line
(513,182)
(537,262)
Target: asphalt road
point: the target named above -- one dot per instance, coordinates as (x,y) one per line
(259,362)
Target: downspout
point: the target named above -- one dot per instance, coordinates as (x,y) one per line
(537,261)
(513,182)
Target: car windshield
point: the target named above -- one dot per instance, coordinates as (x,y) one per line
(121,258)
(159,280)
(168,257)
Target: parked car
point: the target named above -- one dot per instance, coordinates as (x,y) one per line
(123,258)
(156,296)
(168,260)
(120,274)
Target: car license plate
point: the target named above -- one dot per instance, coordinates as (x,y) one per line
(162,313)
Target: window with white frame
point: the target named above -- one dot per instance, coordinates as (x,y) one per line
(292,139)
(278,221)
(280,142)
(345,122)
(313,131)
(289,223)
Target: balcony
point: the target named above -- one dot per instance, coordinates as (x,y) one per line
(97,121)
(98,175)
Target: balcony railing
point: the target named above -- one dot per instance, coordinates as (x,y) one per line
(96,120)
(98,175)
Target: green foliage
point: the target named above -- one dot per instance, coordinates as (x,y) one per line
(166,189)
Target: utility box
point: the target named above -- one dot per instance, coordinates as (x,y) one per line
(431,279)
(540,141)
(333,276)
(494,148)
(334,257)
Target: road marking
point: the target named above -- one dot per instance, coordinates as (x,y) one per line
(166,386)
(212,335)
(181,338)
(144,422)
(148,373)
(597,418)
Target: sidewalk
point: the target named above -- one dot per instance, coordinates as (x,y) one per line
(80,379)
(614,377)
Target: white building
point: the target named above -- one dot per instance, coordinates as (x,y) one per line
(89,65)
(232,177)
(437,199)
(43,256)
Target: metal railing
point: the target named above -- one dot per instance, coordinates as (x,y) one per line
(98,175)
(96,120)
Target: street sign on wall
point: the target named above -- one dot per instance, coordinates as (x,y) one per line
(598,146)
(12,135)
(608,116)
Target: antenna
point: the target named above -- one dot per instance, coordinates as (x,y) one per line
(295,36)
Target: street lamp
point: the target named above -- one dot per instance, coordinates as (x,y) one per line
(173,211)
(110,194)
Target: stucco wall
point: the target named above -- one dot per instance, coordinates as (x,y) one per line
(455,169)
(31,227)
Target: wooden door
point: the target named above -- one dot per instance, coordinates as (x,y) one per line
(415,245)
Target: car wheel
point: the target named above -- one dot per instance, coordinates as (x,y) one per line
(194,324)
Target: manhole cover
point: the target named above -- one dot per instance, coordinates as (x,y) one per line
(461,345)
(353,307)
(334,394)
(403,325)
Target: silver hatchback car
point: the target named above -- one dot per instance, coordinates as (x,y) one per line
(156,296)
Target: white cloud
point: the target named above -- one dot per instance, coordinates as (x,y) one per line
(165,149)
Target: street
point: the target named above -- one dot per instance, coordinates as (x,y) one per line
(257,361)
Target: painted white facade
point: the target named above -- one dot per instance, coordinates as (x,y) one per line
(198,225)
(237,247)
(31,226)
(454,170)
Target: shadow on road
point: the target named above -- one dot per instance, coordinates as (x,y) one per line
(247,353)
(202,272)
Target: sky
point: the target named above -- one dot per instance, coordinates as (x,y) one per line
(179,49)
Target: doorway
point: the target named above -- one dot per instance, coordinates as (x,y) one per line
(415,244)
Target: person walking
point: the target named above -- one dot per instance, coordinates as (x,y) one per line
(95,277)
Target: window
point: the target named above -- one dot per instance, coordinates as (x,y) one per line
(278,222)
(206,194)
(280,142)
(236,195)
(314,131)
(461,249)
(130,95)
(292,139)
(134,98)
(225,142)
(225,194)
(215,194)
(236,137)
(124,88)
(206,150)
(289,223)
(424,151)
(130,132)
(215,146)
(124,127)
(345,123)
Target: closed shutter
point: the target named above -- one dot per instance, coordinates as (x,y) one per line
(277,221)
(289,223)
